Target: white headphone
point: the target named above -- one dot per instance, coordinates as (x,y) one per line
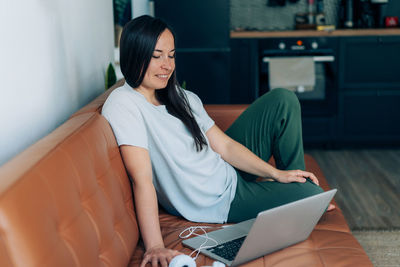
(187,261)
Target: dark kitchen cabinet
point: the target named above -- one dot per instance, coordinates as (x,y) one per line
(206,74)
(370,62)
(318,130)
(369,90)
(202,45)
(197,23)
(244,71)
(372,115)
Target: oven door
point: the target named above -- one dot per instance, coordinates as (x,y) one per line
(322,100)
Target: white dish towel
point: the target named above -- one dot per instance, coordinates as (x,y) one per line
(294,73)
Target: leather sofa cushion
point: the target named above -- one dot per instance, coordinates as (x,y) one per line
(67,201)
(322,248)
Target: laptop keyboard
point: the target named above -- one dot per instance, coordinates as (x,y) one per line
(228,250)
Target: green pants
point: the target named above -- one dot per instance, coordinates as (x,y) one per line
(270,126)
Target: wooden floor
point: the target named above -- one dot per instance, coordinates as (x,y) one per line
(368,183)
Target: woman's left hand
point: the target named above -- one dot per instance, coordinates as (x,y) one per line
(300,177)
(294,176)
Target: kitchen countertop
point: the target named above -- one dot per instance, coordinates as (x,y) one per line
(314,33)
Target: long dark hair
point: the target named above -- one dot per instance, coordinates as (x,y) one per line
(138,41)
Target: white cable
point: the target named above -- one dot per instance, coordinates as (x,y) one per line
(192,231)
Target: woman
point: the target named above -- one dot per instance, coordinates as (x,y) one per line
(178,157)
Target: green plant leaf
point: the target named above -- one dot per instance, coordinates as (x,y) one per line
(111,77)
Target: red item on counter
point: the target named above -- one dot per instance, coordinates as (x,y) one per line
(392,21)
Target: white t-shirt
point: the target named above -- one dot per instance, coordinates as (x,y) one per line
(197,185)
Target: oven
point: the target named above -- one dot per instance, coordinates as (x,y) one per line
(321,98)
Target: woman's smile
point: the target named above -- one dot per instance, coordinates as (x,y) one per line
(163,76)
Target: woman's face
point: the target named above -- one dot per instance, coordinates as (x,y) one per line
(162,63)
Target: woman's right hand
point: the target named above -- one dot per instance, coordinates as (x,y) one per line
(159,255)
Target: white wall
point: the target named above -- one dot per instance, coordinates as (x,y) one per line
(53,56)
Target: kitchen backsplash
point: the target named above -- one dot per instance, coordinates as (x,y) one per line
(256,15)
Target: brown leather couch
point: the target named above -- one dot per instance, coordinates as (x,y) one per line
(67,201)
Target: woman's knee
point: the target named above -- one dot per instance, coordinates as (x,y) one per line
(310,189)
(283,97)
(286,96)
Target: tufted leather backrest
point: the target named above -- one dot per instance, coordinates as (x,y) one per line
(224,115)
(67,200)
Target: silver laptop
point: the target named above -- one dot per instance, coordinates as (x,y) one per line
(270,231)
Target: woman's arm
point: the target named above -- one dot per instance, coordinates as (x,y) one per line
(242,158)
(138,164)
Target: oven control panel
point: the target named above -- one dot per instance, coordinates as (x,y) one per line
(288,46)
